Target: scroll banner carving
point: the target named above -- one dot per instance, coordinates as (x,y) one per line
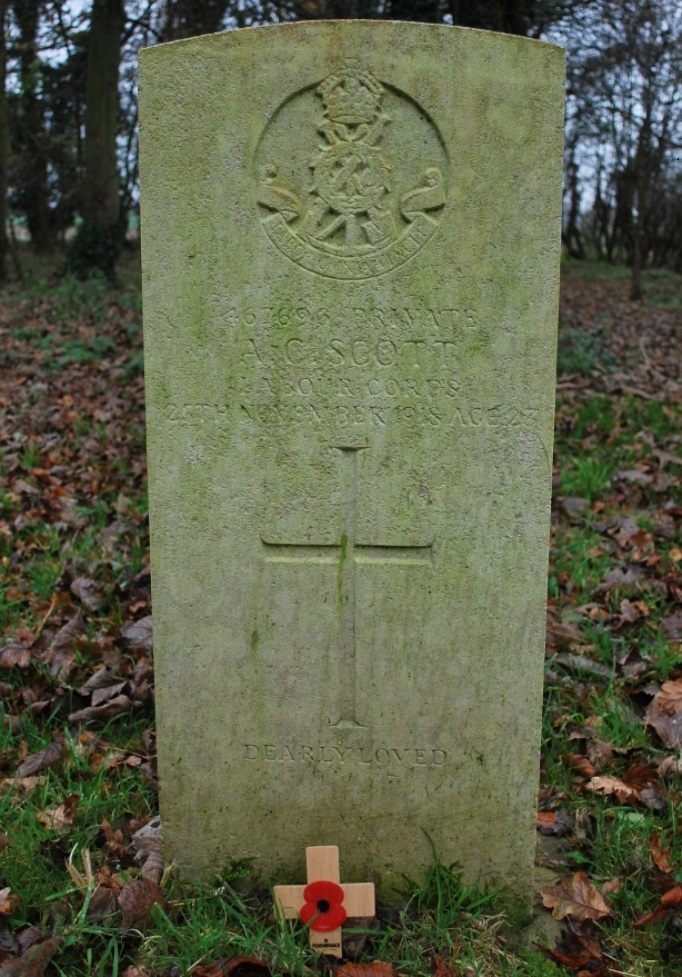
(363,266)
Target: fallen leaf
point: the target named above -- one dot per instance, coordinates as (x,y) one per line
(33,962)
(45,759)
(544,822)
(147,844)
(239,966)
(582,952)
(670,766)
(561,634)
(102,686)
(599,752)
(375,969)
(633,535)
(116,843)
(15,655)
(670,899)
(104,902)
(9,902)
(632,476)
(653,917)
(575,897)
(29,937)
(60,817)
(631,611)
(672,625)
(660,855)
(658,715)
(621,579)
(557,823)
(86,591)
(136,900)
(645,779)
(577,962)
(138,633)
(673,897)
(23,784)
(59,656)
(670,697)
(612,786)
(574,507)
(440,968)
(581,764)
(114,707)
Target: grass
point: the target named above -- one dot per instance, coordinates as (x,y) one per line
(582,353)
(593,270)
(439,916)
(587,477)
(581,562)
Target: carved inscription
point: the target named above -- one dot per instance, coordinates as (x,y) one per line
(359,368)
(389,389)
(341,755)
(449,322)
(381,352)
(202,413)
(344,416)
(497,416)
(349,206)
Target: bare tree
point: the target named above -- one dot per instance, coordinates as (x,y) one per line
(99,238)
(625,100)
(30,126)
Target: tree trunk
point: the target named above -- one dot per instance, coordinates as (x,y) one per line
(570,233)
(424,11)
(98,241)
(636,286)
(508,16)
(190,18)
(33,192)
(101,204)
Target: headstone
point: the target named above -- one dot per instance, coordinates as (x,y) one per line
(350,258)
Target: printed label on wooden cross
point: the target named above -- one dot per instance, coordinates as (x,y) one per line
(347,554)
(324,902)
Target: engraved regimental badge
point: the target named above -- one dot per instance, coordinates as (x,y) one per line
(370,194)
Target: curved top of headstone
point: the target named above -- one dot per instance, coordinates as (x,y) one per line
(352,164)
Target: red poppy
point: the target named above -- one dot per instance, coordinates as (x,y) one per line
(323,909)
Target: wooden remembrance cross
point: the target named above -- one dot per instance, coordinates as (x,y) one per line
(348,553)
(324,903)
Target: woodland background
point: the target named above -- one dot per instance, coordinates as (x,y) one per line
(68,113)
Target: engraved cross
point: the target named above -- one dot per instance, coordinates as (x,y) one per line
(347,554)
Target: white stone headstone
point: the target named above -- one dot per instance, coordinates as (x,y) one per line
(350,256)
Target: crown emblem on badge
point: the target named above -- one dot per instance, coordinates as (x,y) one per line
(352,96)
